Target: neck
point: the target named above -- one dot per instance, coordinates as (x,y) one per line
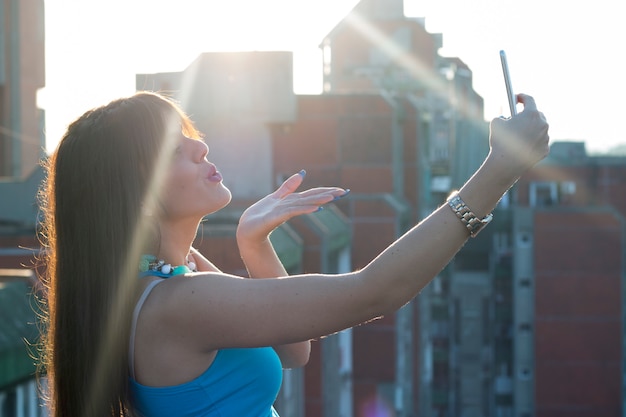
(176,241)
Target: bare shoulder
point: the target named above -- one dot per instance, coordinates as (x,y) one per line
(189,308)
(213,310)
(176,299)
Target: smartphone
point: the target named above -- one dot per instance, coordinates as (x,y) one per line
(507,82)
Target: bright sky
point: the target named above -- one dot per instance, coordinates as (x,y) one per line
(569,55)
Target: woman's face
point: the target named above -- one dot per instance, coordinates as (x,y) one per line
(192,186)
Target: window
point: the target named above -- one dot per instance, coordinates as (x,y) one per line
(543,194)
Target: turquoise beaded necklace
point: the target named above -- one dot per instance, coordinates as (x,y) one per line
(150,265)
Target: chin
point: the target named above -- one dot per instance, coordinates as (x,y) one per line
(228,197)
(226,202)
(222,202)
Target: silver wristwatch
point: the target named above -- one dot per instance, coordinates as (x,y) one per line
(467,217)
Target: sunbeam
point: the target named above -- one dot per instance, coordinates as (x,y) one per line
(431,80)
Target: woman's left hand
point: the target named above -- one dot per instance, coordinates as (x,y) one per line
(260,219)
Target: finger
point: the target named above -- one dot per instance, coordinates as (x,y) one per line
(333,191)
(296,204)
(290,185)
(498,120)
(321,199)
(297,201)
(320,196)
(527,101)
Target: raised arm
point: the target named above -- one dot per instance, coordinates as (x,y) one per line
(515,146)
(244,312)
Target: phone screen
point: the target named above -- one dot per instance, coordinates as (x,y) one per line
(507,82)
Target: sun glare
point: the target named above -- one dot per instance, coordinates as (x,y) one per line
(100,46)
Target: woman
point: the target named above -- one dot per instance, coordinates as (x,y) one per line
(134,329)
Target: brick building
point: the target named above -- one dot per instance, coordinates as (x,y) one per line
(528,318)
(569,336)
(407,129)
(22,71)
(385,128)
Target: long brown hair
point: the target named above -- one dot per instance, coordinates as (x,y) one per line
(100,180)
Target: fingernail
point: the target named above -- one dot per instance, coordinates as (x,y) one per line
(320,208)
(342,195)
(302,172)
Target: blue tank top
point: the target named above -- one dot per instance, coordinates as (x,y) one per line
(239,382)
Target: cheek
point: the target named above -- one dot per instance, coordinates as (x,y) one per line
(176,188)
(171,186)
(177,198)
(178,179)
(180,192)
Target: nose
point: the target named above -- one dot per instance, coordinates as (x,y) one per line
(202,150)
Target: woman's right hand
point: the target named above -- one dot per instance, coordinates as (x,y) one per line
(518,143)
(260,219)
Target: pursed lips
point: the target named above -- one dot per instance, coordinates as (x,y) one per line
(214,175)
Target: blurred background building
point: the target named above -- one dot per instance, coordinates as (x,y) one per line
(527,320)
(22,142)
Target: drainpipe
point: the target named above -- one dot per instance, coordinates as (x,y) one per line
(14,86)
(423,113)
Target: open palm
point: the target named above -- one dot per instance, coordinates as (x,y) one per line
(260,219)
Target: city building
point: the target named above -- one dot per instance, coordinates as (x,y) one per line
(397,124)
(19,390)
(568,279)
(527,320)
(403,164)
(22,69)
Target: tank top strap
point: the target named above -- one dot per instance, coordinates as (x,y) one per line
(133,328)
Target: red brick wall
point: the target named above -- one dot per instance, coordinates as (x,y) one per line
(314,403)
(346,141)
(578,313)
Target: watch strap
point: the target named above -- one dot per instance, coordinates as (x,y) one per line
(473,224)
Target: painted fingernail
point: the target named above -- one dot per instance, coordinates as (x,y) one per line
(320,208)
(302,172)
(342,195)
